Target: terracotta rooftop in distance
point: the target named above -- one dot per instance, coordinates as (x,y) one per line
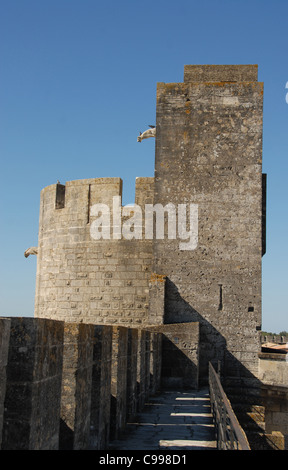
(275,347)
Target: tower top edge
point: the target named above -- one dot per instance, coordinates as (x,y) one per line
(84,182)
(210,73)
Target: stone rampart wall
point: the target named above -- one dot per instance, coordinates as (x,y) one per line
(71,385)
(275,400)
(280,339)
(273,368)
(31,396)
(180,355)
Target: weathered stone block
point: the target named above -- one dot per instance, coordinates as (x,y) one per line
(180,355)
(273,368)
(132,357)
(4,348)
(33,388)
(143,368)
(118,380)
(275,401)
(155,362)
(218,73)
(101,387)
(76,386)
(157,299)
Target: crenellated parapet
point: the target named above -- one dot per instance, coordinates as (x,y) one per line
(64,386)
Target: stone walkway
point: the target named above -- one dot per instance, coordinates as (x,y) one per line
(171,421)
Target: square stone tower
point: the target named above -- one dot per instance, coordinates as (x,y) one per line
(209,154)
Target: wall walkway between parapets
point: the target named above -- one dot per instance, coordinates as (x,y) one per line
(171,421)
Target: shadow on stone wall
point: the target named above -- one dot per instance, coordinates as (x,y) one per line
(212,345)
(66,436)
(242,387)
(179,371)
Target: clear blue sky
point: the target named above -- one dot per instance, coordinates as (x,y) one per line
(77,84)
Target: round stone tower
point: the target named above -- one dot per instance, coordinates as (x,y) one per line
(81,277)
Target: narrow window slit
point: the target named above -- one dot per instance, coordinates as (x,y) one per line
(220,297)
(88,204)
(60,196)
